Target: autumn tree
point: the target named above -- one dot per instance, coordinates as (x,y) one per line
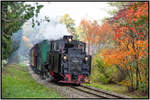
(105,35)
(89,31)
(131,35)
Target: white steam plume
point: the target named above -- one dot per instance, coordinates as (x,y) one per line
(52,30)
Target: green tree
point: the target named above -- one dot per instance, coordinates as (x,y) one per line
(69,22)
(14,15)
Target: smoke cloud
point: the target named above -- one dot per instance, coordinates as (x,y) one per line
(28,36)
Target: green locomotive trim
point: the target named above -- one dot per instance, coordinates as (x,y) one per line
(45,48)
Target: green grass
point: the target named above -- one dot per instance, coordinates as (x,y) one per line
(116,88)
(17,83)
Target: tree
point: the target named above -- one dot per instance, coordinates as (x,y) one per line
(69,22)
(131,36)
(14,15)
(89,31)
(95,34)
(105,35)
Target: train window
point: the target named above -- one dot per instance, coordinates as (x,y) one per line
(81,46)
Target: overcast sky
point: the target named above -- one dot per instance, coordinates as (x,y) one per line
(76,10)
(55,10)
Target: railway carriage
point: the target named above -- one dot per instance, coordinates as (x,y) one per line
(64,59)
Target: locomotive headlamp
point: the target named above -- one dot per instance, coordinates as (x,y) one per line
(69,39)
(65,57)
(86,58)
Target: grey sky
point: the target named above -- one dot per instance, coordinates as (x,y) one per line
(77,10)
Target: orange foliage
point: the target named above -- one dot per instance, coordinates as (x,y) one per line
(125,52)
(96,33)
(91,29)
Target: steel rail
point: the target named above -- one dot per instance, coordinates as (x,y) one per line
(82,90)
(98,92)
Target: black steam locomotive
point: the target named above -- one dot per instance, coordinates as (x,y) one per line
(64,59)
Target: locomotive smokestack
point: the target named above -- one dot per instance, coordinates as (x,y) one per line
(67,37)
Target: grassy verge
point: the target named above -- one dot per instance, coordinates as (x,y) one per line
(17,83)
(116,88)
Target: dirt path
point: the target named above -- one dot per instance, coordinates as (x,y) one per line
(65,91)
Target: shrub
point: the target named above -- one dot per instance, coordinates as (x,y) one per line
(4,62)
(101,72)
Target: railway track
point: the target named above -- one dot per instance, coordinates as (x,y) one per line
(98,93)
(90,92)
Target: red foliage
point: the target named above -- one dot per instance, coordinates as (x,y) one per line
(130,17)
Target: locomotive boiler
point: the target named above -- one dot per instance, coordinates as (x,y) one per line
(64,59)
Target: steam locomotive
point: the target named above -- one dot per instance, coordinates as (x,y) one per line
(65,60)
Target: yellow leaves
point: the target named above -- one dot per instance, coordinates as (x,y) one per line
(141,48)
(126,83)
(143,79)
(137,48)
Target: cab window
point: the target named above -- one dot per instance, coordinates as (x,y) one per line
(81,46)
